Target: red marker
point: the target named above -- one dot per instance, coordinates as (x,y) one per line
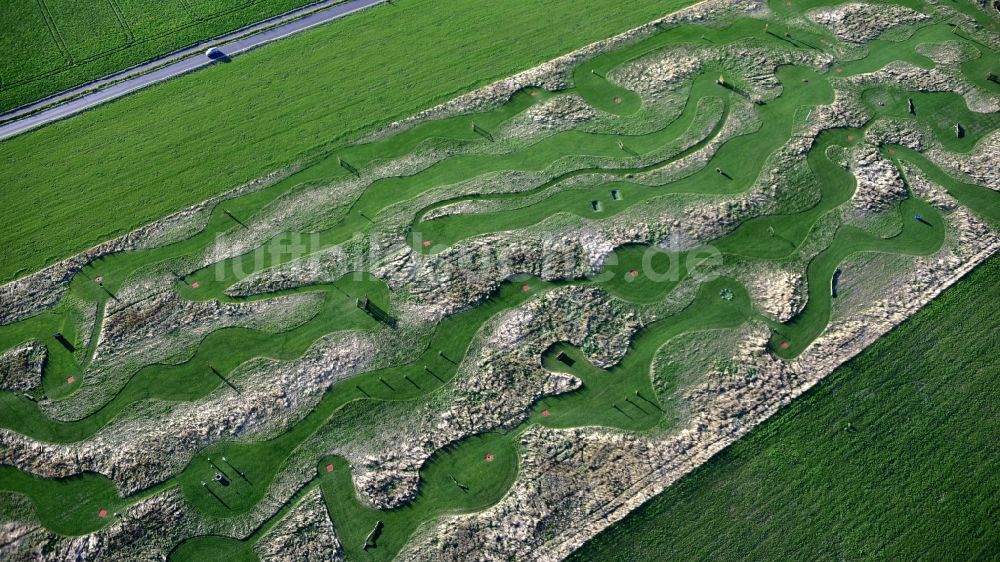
(525,288)
(545,413)
(329,468)
(70,380)
(618,100)
(194,285)
(489,457)
(102,513)
(427,243)
(784,345)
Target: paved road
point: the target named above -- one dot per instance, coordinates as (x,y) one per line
(175,64)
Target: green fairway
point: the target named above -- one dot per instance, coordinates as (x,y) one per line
(734,167)
(217,355)
(468,477)
(47,47)
(465,477)
(941,111)
(186,157)
(623,395)
(982,201)
(261,461)
(213,548)
(891,458)
(923,234)
(125,164)
(72,506)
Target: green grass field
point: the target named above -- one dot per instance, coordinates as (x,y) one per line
(52,45)
(214,548)
(71,506)
(892,457)
(122,165)
(620,397)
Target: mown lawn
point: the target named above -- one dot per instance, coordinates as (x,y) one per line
(892,457)
(82,181)
(468,476)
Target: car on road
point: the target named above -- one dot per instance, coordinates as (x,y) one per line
(214,53)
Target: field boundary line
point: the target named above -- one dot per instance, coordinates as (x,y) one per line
(56,35)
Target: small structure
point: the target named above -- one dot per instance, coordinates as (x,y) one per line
(65,342)
(370,540)
(375,312)
(566,359)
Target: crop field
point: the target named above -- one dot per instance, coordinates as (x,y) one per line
(890,457)
(51,45)
(122,165)
(448,337)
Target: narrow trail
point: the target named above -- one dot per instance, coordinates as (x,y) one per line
(446,477)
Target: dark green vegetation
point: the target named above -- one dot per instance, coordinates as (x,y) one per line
(122,165)
(52,45)
(892,457)
(620,397)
